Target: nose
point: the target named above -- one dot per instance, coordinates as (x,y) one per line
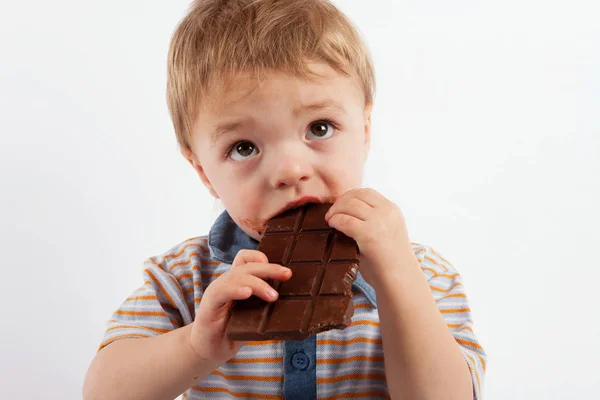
(289,168)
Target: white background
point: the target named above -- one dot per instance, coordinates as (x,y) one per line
(486,134)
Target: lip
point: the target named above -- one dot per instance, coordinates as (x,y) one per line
(297,203)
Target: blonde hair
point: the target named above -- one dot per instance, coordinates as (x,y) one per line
(218,39)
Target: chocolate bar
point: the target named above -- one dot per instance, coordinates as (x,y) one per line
(318,296)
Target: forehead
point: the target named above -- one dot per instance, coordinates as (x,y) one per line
(275,88)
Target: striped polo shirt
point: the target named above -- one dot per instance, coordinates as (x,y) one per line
(337,364)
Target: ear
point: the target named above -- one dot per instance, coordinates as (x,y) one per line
(367,123)
(189,155)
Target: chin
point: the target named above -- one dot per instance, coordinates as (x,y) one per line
(252,228)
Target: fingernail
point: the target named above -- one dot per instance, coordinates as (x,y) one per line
(285,270)
(272,293)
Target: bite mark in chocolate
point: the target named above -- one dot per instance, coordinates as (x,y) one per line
(318,296)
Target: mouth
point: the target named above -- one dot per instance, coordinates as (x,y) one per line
(290,206)
(297,203)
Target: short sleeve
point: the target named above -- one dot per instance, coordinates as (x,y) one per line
(157,307)
(448,291)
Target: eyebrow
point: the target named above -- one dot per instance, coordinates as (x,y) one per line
(307,108)
(229,126)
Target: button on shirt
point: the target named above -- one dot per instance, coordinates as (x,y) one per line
(337,364)
(300,361)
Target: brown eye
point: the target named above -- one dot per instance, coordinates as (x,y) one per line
(320,130)
(243,150)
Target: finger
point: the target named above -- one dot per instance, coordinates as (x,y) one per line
(246,256)
(235,287)
(368,195)
(347,224)
(264,271)
(351,206)
(220,292)
(259,287)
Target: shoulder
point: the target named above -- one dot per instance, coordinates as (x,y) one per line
(182,260)
(433,263)
(179,276)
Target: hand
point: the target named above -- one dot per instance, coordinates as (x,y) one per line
(245,278)
(379,229)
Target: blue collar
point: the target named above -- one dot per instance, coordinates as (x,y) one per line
(225,239)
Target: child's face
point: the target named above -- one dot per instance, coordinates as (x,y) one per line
(259,150)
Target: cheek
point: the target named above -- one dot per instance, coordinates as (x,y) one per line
(242,200)
(344,167)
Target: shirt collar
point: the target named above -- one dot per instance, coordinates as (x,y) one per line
(226,239)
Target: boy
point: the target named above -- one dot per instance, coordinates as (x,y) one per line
(249,81)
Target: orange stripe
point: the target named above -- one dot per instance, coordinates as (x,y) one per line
(188,291)
(362,306)
(436,263)
(205,254)
(237,394)
(438,289)
(363,322)
(155,262)
(256,360)
(482,361)
(348,377)
(469,344)
(159,330)
(184,248)
(195,253)
(182,263)
(350,341)
(261,342)
(141,298)
(453,295)
(249,377)
(455,310)
(447,276)
(356,395)
(432,260)
(185,276)
(162,289)
(348,359)
(433,271)
(466,328)
(142,313)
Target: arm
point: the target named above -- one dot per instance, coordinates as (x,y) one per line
(166,364)
(159,367)
(422,358)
